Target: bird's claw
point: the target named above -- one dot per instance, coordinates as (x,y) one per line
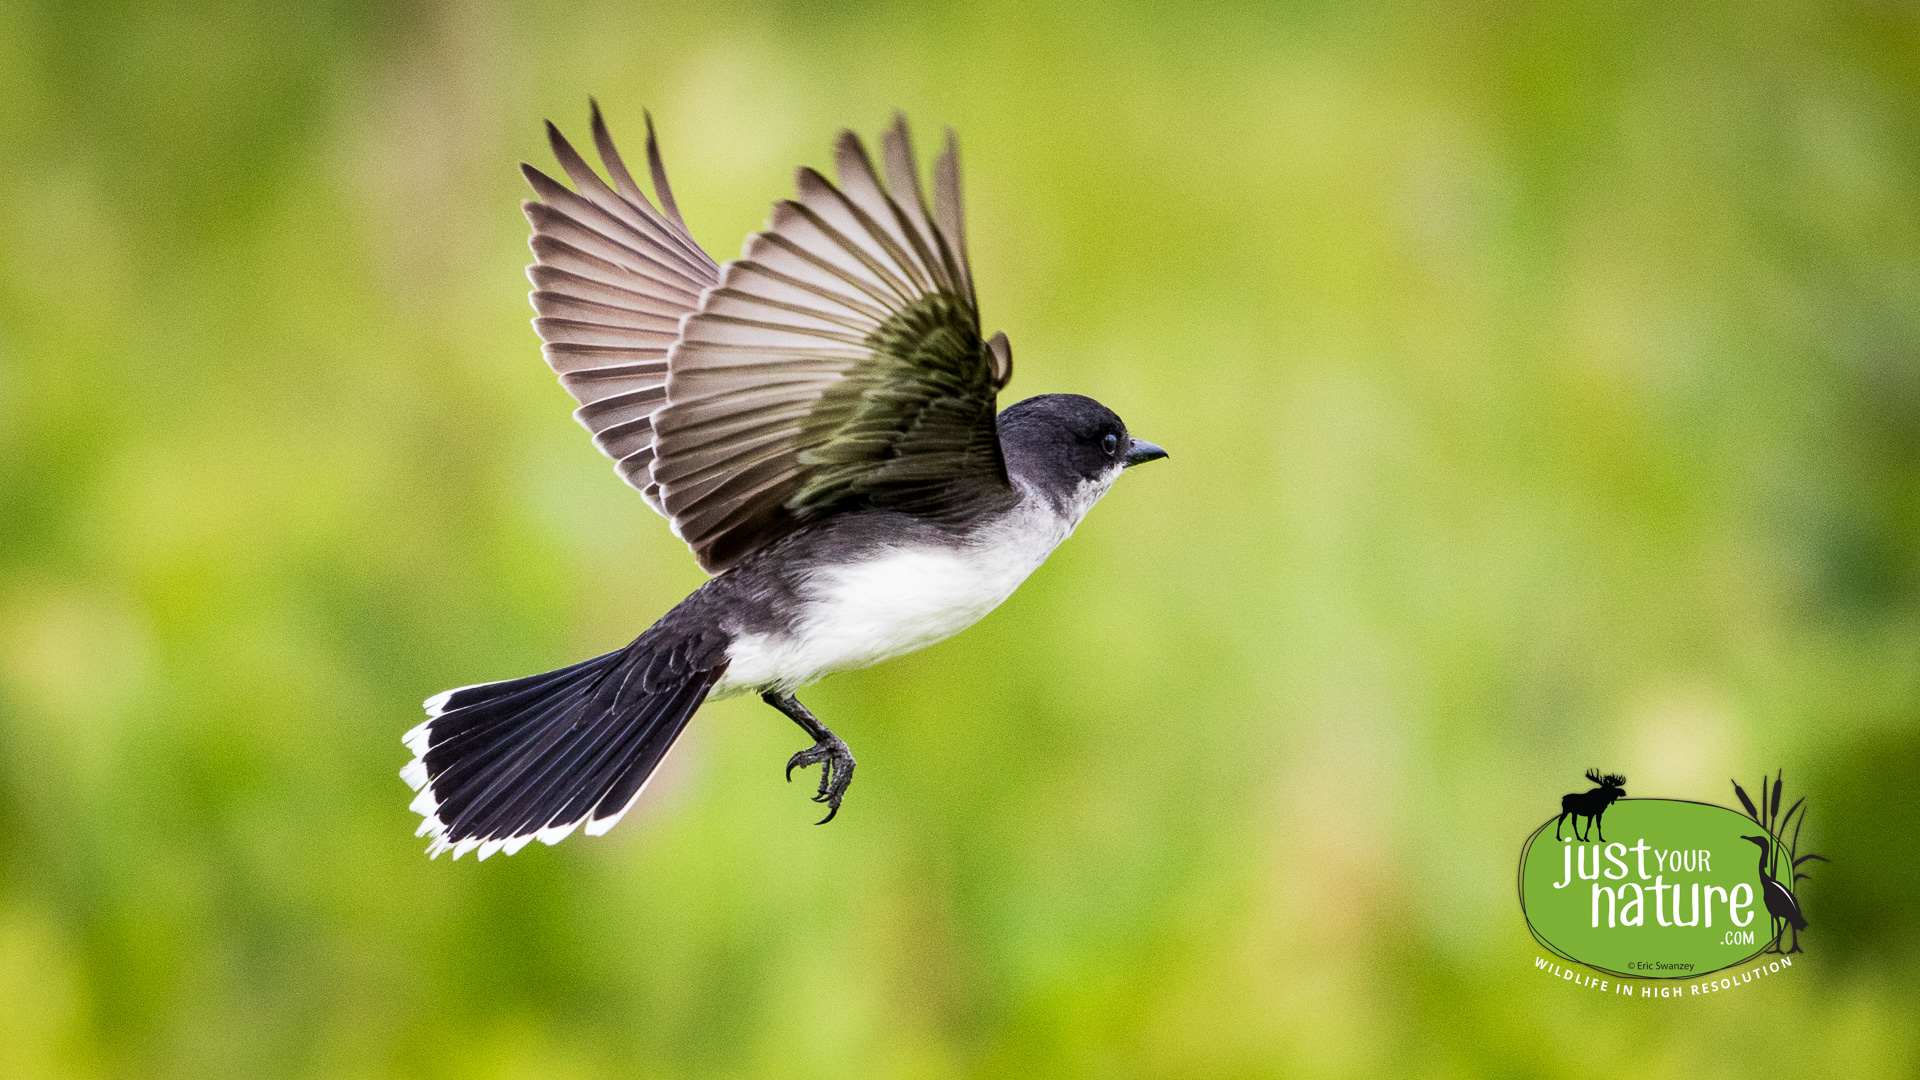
(836,771)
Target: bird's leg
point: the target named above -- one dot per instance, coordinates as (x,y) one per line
(827,751)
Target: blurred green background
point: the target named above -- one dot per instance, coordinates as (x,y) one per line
(1543,387)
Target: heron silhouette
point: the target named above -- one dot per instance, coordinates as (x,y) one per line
(1780,902)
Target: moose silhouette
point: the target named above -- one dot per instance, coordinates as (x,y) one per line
(1590,804)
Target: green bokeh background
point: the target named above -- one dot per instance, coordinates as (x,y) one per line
(1543,385)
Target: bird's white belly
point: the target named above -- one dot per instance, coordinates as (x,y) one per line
(904,599)
(866,612)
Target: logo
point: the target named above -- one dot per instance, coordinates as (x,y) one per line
(1683,889)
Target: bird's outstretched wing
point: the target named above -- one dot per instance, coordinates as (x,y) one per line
(613,276)
(839,363)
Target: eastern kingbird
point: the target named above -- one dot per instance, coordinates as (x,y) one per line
(816,420)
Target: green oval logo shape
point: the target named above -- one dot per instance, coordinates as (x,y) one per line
(1676,891)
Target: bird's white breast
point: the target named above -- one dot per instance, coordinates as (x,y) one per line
(902,599)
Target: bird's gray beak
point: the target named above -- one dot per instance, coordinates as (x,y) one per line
(1141,451)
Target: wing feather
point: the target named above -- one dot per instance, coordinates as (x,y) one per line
(910,239)
(659,276)
(554,281)
(947,213)
(729,303)
(839,364)
(570,359)
(870,216)
(552,251)
(774,286)
(639,213)
(694,504)
(596,384)
(642,238)
(799,230)
(613,278)
(587,310)
(721,512)
(615,410)
(574,332)
(903,175)
(756,443)
(622,441)
(725,426)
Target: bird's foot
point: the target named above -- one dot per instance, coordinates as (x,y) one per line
(836,771)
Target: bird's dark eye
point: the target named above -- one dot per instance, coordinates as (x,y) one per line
(1110,444)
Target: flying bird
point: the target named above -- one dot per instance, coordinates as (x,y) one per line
(817,421)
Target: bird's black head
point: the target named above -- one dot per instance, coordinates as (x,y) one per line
(1066,444)
(1761,840)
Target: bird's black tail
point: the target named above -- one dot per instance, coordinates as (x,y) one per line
(499,764)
